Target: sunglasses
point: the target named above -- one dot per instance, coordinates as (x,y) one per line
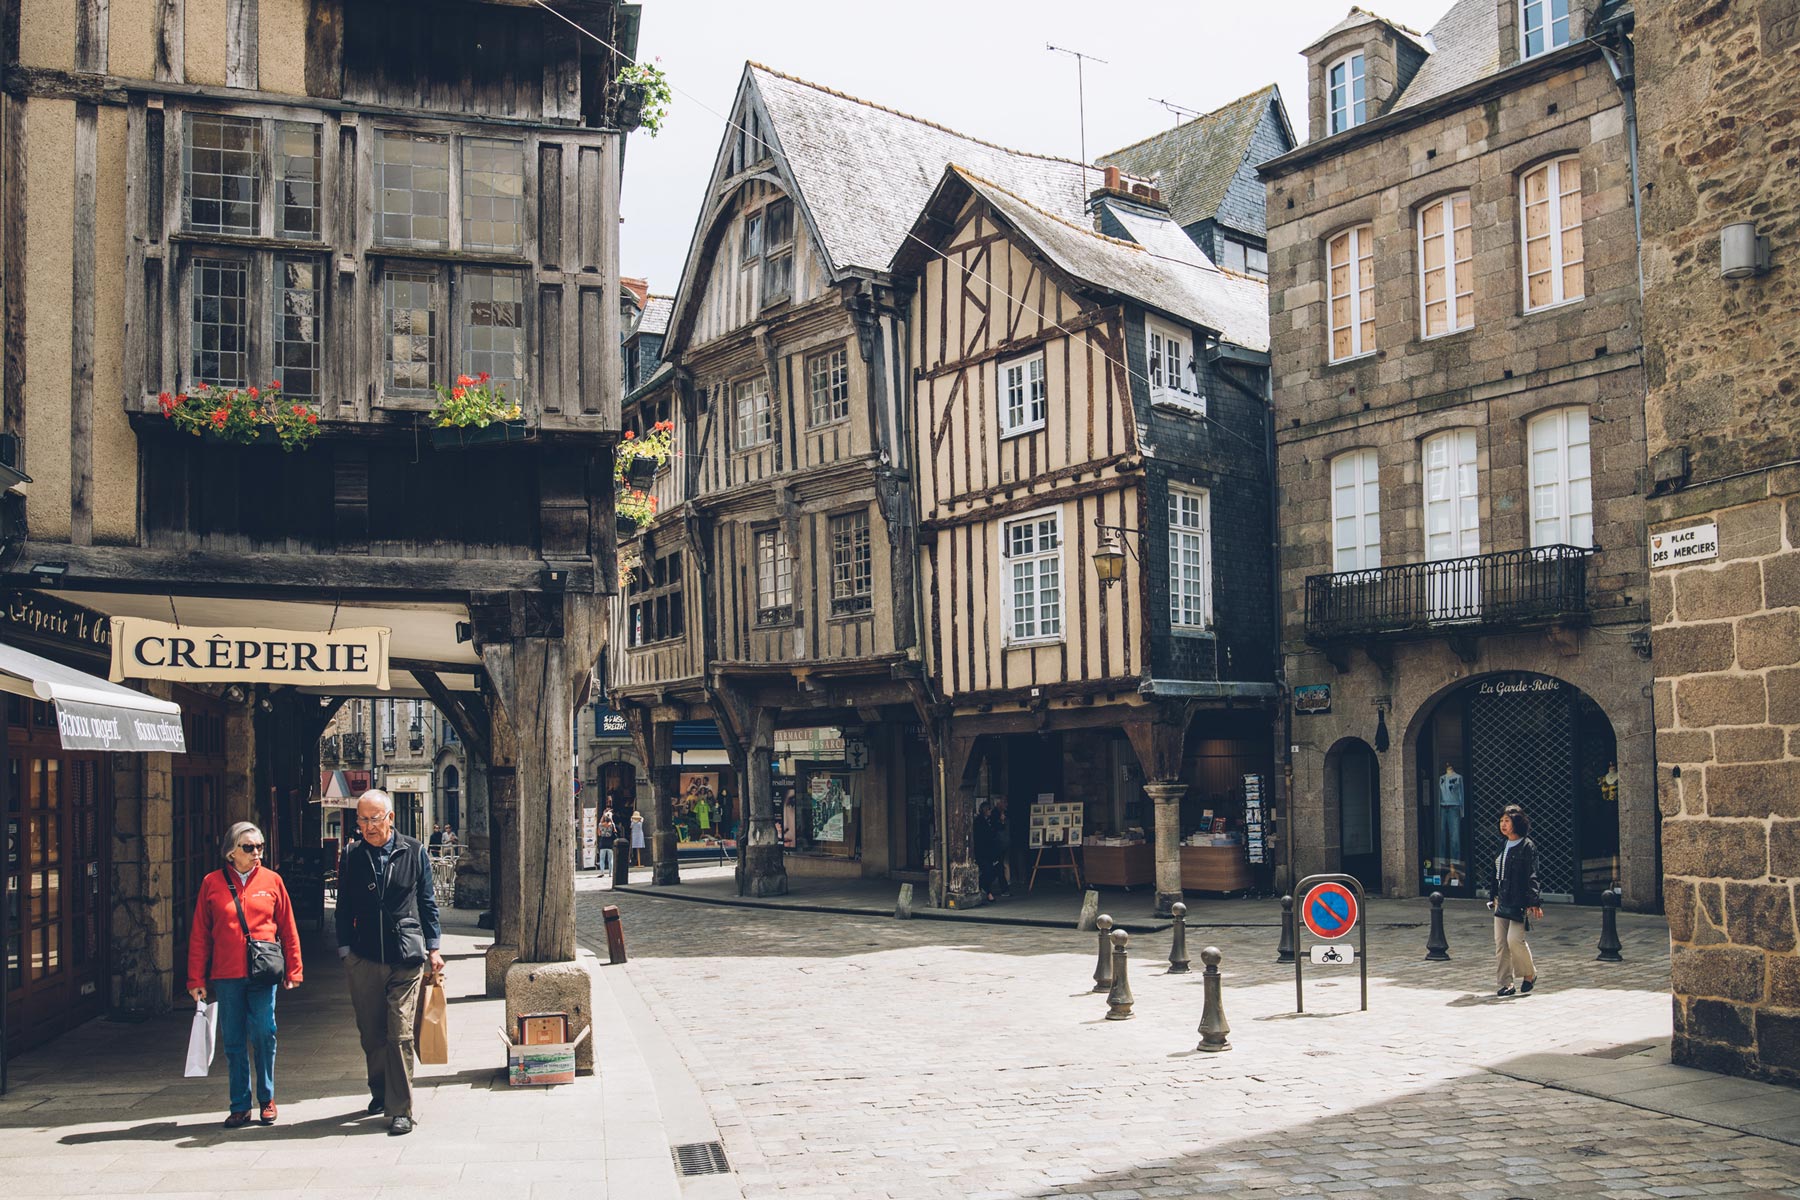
(251,847)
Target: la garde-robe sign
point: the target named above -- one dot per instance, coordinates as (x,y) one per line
(143,649)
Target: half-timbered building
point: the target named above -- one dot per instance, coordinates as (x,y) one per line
(1088,405)
(361,201)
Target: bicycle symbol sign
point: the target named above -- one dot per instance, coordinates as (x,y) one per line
(1329,910)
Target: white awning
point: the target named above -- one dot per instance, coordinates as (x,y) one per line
(93,714)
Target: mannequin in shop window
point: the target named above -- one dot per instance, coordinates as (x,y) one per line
(1450,821)
(1609,784)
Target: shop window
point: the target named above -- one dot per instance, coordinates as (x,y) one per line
(852,577)
(1356,511)
(654,601)
(1350,261)
(1562,485)
(1446,266)
(1032,585)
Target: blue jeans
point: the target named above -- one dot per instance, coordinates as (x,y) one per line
(246,1027)
(605,860)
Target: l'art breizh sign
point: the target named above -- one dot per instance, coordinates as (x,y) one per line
(144,649)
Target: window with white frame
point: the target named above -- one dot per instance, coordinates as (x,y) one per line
(1446,266)
(1350,259)
(1356,511)
(1032,584)
(774,577)
(1174,373)
(1551,200)
(852,563)
(1543,25)
(754,422)
(1562,479)
(1023,405)
(1344,89)
(828,382)
(1190,559)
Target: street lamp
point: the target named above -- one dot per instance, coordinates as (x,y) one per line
(1109,555)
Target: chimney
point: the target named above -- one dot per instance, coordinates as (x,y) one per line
(1112,179)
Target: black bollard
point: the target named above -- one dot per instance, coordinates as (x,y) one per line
(1118,1000)
(1104,963)
(1437,946)
(1178,956)
(621,863)
(1214,1030)
(1284,953)
(1609,927)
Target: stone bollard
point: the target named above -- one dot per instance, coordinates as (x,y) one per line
(1178,956)
(1609,927)
(1437,946)
(903,906)
(621,863)
(1090,911)
(1213,1027)
(1118,1000)
(1103,965)
(1284,953)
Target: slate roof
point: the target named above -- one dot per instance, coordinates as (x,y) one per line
(1465,47)
(656,314)
(1189,287)
(865,171)
(1197,160)
(1362,16)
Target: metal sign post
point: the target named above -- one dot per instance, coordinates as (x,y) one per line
(1340,907)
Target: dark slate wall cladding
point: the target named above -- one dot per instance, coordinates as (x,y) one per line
(1245,202)
(1190,450)
(1206,235)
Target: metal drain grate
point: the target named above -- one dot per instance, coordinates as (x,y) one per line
(1625,1051)
(701,1158)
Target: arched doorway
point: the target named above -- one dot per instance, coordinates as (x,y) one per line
(1356,773)
(1531,740)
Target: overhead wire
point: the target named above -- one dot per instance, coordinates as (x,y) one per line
(1050,322)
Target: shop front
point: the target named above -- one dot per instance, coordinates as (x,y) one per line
(1526,739)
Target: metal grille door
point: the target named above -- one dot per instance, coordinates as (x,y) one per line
(1522,751)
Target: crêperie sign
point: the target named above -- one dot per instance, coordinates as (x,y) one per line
(145,649)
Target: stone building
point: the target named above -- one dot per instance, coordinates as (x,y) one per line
(1458,399)
(1717,96)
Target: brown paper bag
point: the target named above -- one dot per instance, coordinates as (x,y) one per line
(431,1025)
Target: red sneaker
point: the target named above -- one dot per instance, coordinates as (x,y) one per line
(268,1113)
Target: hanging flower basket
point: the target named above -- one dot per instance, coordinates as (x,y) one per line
(246,416)
(633,508)
(643,97)
(640,472)
(630,114)
(471,437)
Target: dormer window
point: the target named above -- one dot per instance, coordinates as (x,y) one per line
(1543,26)
(1174,380)
(1344,92)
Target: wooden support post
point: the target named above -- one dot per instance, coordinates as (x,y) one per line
(503,851)
(764,872)
(959,876)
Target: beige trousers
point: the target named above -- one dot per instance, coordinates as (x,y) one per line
(385,997)
(1512,957)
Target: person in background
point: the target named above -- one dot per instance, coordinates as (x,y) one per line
(219,967)
(1002,848)
(387,932)
(986,855)
(437,836)
(608,834)
(1515,899)
(637,839)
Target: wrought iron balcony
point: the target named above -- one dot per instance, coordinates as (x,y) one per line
(328,751)
(1513,589)
(355,749)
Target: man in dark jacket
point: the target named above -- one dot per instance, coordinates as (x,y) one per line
(986,847)
(387,932)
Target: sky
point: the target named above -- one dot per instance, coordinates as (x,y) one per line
(977,66)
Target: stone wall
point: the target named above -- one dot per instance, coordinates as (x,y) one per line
(1718,109)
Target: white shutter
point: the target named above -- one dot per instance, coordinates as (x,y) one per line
(1356,511)
(1562,495)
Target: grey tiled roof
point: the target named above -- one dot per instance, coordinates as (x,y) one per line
(1465,47)
(1195,162)
(865,171)
(1362,16)
(656,314)
(1186,286)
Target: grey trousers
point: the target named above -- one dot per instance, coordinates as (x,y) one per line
(385,997)
(1512,957)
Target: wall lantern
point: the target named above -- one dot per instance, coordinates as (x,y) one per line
(1109,555)
(1742,254)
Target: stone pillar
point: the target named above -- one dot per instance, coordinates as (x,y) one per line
(652,739)
(1165,798)
(764,873)
(143,952)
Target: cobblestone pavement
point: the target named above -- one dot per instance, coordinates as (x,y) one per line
(859,1057)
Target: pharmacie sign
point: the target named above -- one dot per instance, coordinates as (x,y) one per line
(143,649)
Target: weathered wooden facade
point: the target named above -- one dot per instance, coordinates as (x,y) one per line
(362,201)
(1069,388)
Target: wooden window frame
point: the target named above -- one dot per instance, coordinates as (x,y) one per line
(836,392)
(852,578)
(1554,171)
(759,385)
(774,590)
(1367,554)
(1356,238)
(777,251)
(660,579)
(1547,23)
(1571,489)
(1352,77)
(1181,533)
(262,304)
(1003,393)
(1058,554)
(1459,313)
(1158,335)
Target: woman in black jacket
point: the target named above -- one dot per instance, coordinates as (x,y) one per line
(1514,898)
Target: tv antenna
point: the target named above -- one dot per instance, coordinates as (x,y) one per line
(1081,61)
(1180,110)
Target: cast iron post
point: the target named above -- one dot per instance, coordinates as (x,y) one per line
(1284,953)
(1609,927)
(1118,1000)
(1103,965)
(1214,1029)
(1437,946)
(1178,955)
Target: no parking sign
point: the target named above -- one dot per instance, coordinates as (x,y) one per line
(1329,911)
(1329,907)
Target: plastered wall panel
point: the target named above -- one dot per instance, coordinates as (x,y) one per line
(114,489)
(205,36)
(50,198)
(47,34)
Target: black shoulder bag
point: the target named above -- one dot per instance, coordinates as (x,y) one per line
(264,961)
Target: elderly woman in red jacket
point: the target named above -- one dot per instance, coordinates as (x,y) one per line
(241,903)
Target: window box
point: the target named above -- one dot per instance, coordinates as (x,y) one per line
(641,472)
(471,437)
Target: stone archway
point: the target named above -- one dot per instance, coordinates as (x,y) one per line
(1353,810)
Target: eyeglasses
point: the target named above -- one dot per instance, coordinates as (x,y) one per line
(250,847)
(372,820)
